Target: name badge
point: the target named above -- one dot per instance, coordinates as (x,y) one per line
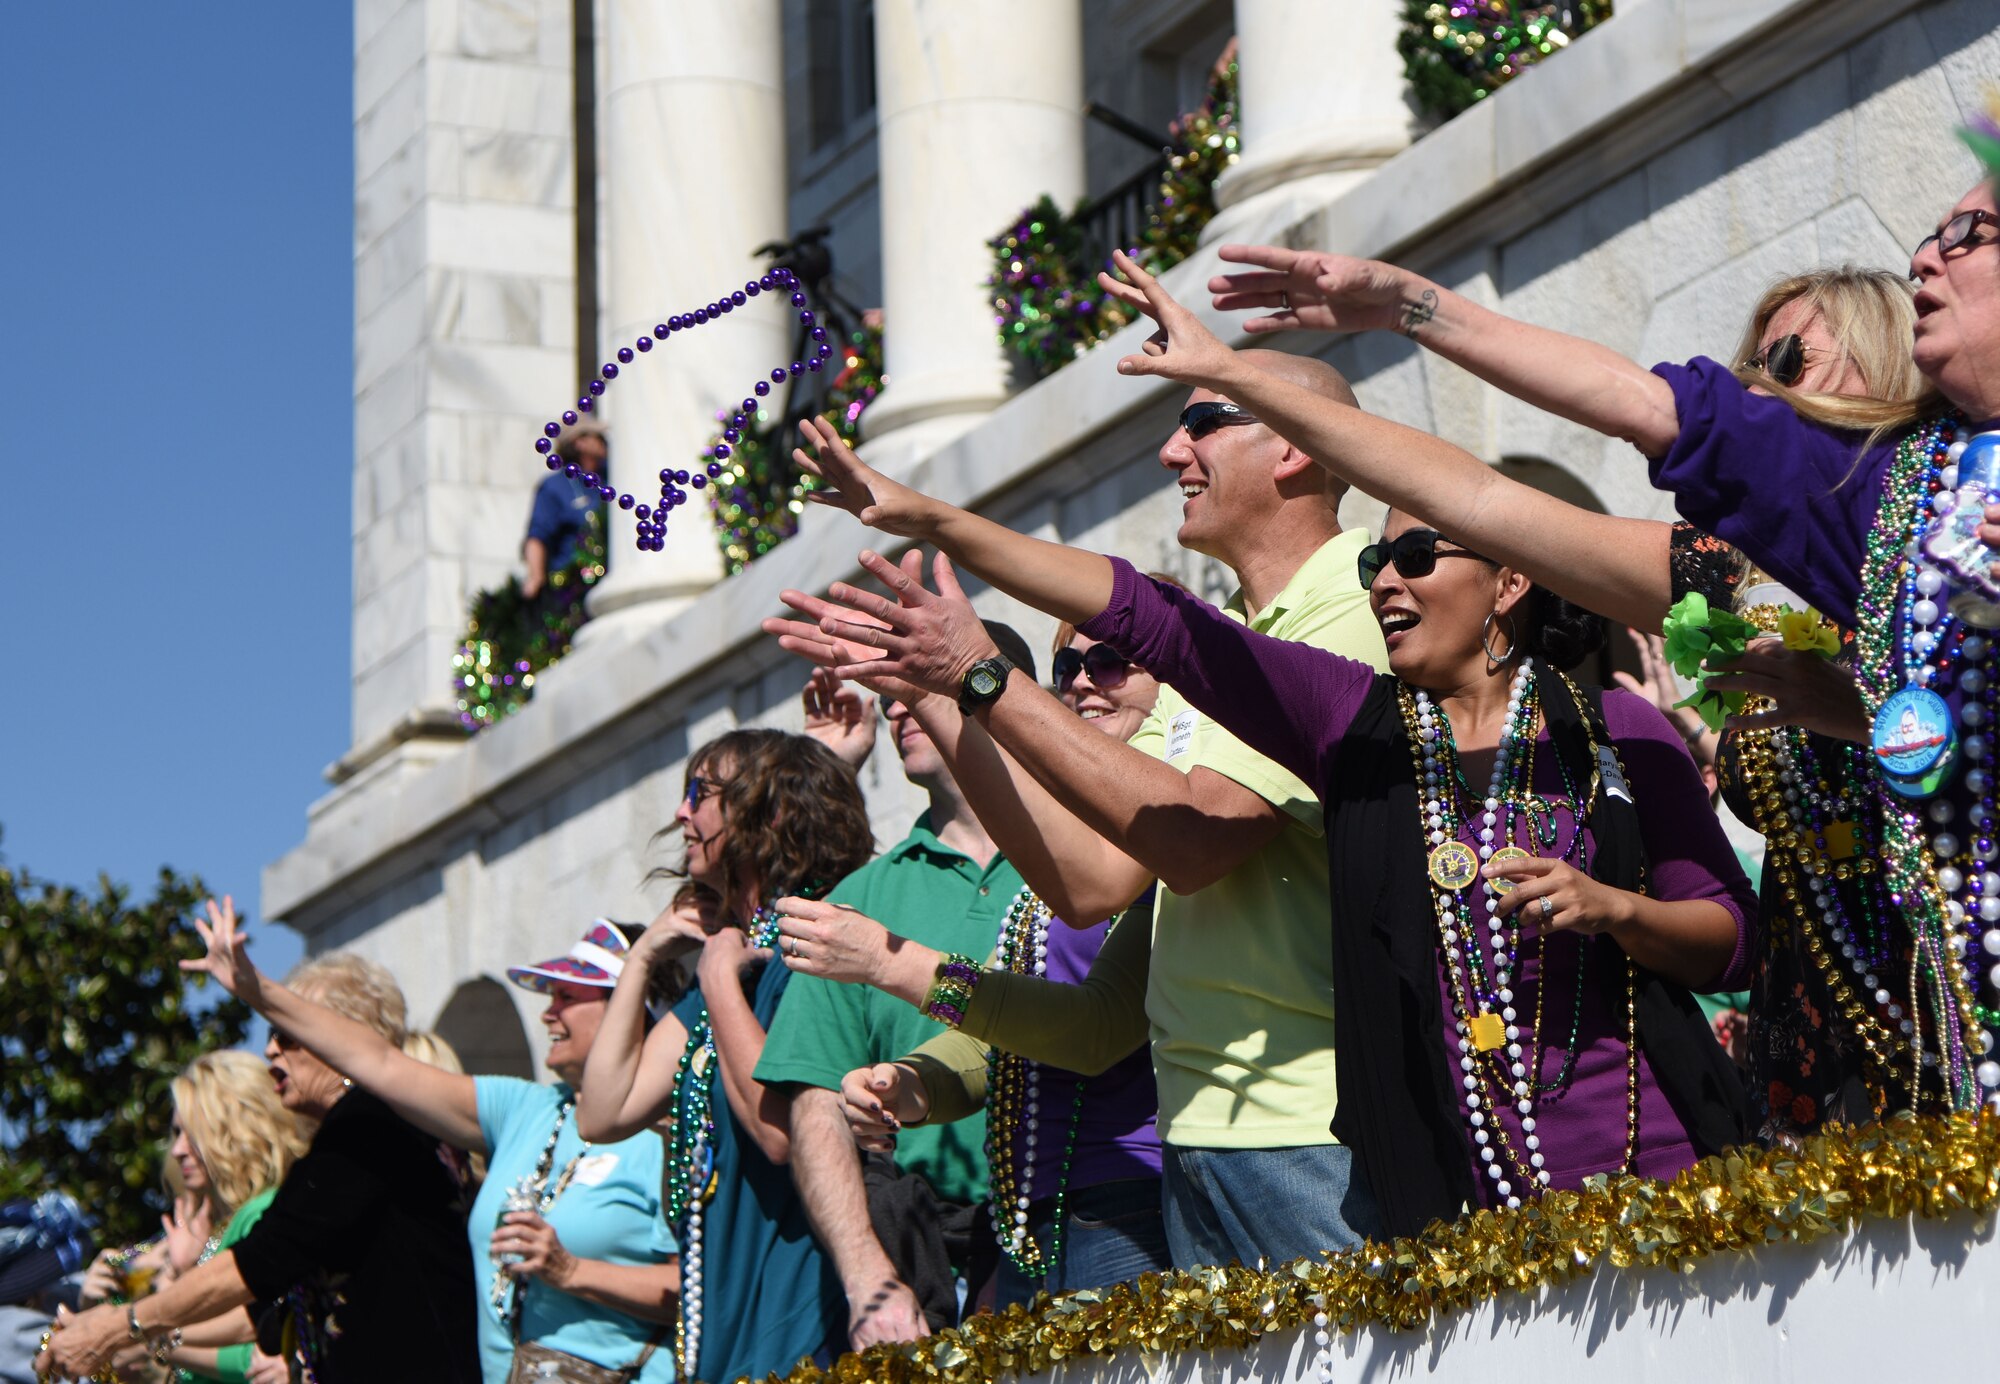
(1180,734)
(1610,775)
(593,1170)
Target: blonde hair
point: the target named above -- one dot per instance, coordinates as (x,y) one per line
(1870,316)
(231,1114)
(433,1051)
(358,988)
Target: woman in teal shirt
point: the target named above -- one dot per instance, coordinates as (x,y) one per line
(589,1271)
(765,814)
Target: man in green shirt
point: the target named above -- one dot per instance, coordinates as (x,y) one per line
(1240,995)
(947,886)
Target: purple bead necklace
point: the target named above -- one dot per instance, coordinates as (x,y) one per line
(675,484)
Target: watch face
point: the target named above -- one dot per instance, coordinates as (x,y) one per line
(983,682)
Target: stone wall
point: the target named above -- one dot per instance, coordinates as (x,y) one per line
(1642,190)
(464,321)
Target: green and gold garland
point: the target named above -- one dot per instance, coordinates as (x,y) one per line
(758,498)
(1930,1166)
(509,638)
(1457,52)
(1046,304)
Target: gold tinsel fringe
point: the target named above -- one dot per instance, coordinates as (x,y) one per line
(1931,1165)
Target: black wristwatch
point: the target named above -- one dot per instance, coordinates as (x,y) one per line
(984,682)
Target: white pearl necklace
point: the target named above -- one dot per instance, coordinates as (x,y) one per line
(1437,792)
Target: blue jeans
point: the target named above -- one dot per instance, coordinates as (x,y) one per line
(1115,1233)
(1270,1204)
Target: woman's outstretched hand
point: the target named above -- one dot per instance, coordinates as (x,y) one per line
(1182,349)
(228,956)
(849,483)
(1309,290)
(1801,689)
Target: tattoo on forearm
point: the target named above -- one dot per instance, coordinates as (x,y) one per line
(1417,313)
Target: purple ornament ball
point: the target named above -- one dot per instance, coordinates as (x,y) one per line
(585,403)
(698,482)
(543,445)
(765,281)
(556,463)
(752,289)
(764,388)
(798,300)
(569,418)
(714,471)
(666,478)
(748,409)
(700,316)
(722,449)
(552,429)
(625,502)
(610,371)
(660,330)
(572,470)
(644,343)
(738,298)
(597,386)
(624,355)
(796,368)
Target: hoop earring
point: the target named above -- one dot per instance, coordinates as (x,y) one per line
(1486,639)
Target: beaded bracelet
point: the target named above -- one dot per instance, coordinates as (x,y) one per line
(951,992)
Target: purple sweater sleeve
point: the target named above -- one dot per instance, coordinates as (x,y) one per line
(1799,499)
(1289,702)
(1687,854)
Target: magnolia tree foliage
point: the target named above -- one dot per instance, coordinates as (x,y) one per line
(95,1022)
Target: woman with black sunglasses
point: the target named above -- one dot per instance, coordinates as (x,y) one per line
(1526,874)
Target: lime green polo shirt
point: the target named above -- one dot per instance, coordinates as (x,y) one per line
(930,893)
(1240,995)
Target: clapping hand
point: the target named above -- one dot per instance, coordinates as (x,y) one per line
(1319,292)
(186,1231)
(921,642)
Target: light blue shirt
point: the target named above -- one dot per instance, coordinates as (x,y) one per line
(610,1211)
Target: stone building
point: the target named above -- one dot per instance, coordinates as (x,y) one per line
(539,180)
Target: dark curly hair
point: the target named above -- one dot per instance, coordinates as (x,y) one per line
(1557,632)
(797,824)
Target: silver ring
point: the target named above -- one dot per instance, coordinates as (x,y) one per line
(1284,300)
(1548,908)
(791,946)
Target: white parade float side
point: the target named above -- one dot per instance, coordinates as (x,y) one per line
(1889,1300)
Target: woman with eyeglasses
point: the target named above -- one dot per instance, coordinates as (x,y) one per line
(572,1255)
(1527,876)
(361,1254)
(1860,509)
(764,814)
(1051,1044)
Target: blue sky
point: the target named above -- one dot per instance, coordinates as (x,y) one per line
(176,270)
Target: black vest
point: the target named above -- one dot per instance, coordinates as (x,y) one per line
(1399,1104)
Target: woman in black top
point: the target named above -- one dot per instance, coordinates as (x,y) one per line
(363,1249)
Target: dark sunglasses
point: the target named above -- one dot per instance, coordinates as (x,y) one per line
(284,1041)
(1199,420)
(700,788)
(1413,553)
(1107,670)
(1784,360)
(1953,234)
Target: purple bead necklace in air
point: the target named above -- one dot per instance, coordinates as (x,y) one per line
(653,518)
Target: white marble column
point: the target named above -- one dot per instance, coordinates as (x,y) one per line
(1322,96)
(693,159)
(970,132)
